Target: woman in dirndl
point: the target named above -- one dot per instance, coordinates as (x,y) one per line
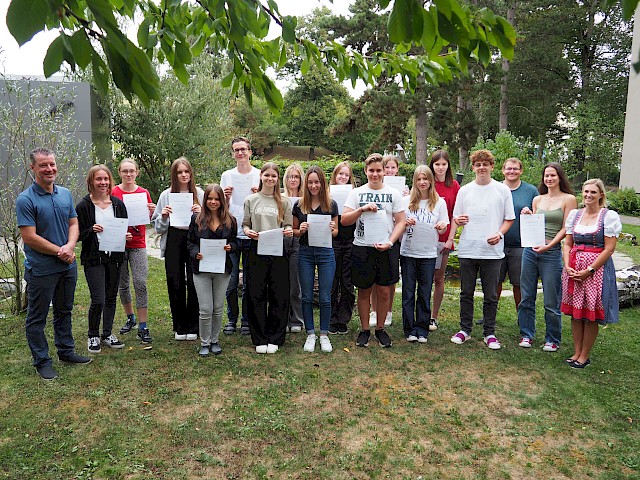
(589,292)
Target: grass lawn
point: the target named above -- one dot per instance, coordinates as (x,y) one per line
(434,411)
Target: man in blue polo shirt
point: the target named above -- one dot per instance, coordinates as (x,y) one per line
(49,228)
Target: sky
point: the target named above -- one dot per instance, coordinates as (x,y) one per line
(27,60)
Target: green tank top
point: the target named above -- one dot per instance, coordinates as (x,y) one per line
(552,222)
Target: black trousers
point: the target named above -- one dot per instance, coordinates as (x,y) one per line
(183,299)
(267,280)
(342,291)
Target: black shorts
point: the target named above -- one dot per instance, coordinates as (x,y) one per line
(512,264)
(369,266)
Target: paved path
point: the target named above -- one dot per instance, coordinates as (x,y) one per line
(630,220)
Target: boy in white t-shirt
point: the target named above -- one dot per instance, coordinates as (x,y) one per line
(374,263)
(484,208)
(247,176)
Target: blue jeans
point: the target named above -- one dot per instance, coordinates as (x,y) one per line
(41,290)
(324,259)
(232,290)
(416,314)
(548,267)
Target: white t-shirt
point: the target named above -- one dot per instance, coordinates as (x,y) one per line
(236,205)
(421,240)
(386,198)
(487,206)
(612,224)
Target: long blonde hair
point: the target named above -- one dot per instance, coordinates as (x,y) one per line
(276,189)
(432,195)
(325,199)
(294,167)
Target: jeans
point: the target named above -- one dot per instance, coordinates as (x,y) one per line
(211,288)
(292,247)
(233,311)
(308,259)
(490,277)
(416,313)
(59,287)
(103,281)
(548,267)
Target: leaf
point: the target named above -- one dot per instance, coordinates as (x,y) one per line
(54,57)
(405,21)
(81,48)
(143,33)
(25,18)
(483,53)
(226,81)
(289,29)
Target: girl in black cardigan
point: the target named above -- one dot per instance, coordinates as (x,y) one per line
(101,269)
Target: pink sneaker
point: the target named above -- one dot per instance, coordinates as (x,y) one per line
(492,342)
(525,342)
(460,337)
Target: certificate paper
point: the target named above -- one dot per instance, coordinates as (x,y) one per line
(339,193)
(180,204)
(114,235)
(376,227)
(241,188)
(476,229)
(213,255)
(137,209)
(293,200)
(319,233)
(270,242)
(532,230)
(417,243)
(399,183)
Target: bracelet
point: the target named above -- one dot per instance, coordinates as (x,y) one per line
(501,234)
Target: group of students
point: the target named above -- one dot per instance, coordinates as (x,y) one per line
(379,230)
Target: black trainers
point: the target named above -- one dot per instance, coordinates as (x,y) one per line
(74,358)
(245,330)
(383,338)
(229,329)
(363,338)
(342,329)
(127,326)
(333,329)
(144,336)
(433,325)
(47,372)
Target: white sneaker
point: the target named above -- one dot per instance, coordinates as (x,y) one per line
(550,347)
(310,343)
(112,342)
(325,344)
(412,338)
(191,336)
(492,342)
(422,339)
(93,345)
(180,337)
(272,348)
(373,319)
(296,329)
(261,349)
(388,319)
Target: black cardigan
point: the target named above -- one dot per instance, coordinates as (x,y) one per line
(194,236)
(90,255)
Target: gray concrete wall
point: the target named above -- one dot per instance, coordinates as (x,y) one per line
(630,168)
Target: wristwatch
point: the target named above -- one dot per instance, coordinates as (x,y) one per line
(591,269)
(390,244)
(501,234)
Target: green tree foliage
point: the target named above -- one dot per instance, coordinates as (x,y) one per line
(313,106)
(190,120)
(257,123)
(176,31)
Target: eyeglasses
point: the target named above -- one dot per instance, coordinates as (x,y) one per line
(512,169)
(127,172)
(240,150)
(293,177)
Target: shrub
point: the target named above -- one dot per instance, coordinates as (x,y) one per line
(624,201)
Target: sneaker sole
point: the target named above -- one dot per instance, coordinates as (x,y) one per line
(115,347)
(94,351)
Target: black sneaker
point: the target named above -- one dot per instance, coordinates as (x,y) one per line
(47,372)
(144,336)
(245,330)
(333,329)
(127,326)
(433,325)
(363,338)
(229,329)
(342,329)
(383,338)
(74,358)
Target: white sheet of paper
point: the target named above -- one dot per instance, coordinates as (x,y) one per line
(319,233)
(213,255)
(532,230)
(399,183)
(137,209)
(270,242)
(419,232)
(376,227)
(477,228)
(241,188)
(339,193)
(114,235)
(180,204)
(293,200)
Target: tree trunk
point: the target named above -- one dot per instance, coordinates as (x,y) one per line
(463,153)
(421,135)
(503,122)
